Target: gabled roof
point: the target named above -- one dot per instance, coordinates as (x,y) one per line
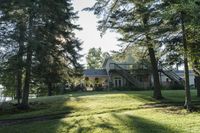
(95,73)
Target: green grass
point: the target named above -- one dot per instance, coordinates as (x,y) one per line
(126,112)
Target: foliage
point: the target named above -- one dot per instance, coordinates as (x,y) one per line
(42,40)
(138,23)
(95,58)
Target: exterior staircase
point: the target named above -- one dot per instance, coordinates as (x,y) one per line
(172,75)
(124,73)
(166,71)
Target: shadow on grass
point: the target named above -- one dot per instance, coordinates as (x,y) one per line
(125,123)
(42,109)
(85,126)
(142,125)
(173,100)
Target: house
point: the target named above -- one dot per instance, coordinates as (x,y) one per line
(126,74)
(166,80)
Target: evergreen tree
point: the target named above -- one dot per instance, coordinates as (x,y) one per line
(43,32)
(58,50)
(179,16)
(137,22)
(13,26)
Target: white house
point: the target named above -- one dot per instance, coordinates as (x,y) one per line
(165,79)
(126,74)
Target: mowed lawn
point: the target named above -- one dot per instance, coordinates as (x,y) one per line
(108,112)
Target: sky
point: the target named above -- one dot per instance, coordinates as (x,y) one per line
(90,36)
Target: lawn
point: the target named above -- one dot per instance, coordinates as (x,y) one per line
(108,112)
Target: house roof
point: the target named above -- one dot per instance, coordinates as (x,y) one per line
(95,73)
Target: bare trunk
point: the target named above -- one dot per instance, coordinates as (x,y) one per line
(154,63)
(197,85)
(197,77)
(186,67)
(27,79)
(187,85)
(49,89)
(20,62)
(157,87)
(24,104)
(19,86)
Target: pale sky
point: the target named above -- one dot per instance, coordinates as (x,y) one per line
(90,35)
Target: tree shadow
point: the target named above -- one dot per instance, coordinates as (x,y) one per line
(142,125)
(79,127)
(44,108)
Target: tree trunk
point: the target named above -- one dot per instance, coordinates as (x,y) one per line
(187,85)
(157,87)
(186,67)
(20,62)
(49,89)
(27,79)
(19,86)
(197,77)
(197,85)
(24,104)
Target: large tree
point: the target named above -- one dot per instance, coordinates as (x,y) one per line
(180,17)
(13,28)
(137,22)
(43,30)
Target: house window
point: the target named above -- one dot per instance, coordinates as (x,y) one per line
(118,82)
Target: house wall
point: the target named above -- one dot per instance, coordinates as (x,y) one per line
(107,66)
(110,65)
(164,78)
(145,81)
(114,77)
(144,84)
(91,82)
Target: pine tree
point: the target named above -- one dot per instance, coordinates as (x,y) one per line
(13,24)
(179,16)
(43,31)
(136,21)
(58,50)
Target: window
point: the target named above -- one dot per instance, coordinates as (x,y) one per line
(118,82)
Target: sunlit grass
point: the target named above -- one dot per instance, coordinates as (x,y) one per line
(109,112)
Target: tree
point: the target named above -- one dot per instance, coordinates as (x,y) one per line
(95,58)
(13,29)
(136,21)
(46,34)
(179,15)
(58,52)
